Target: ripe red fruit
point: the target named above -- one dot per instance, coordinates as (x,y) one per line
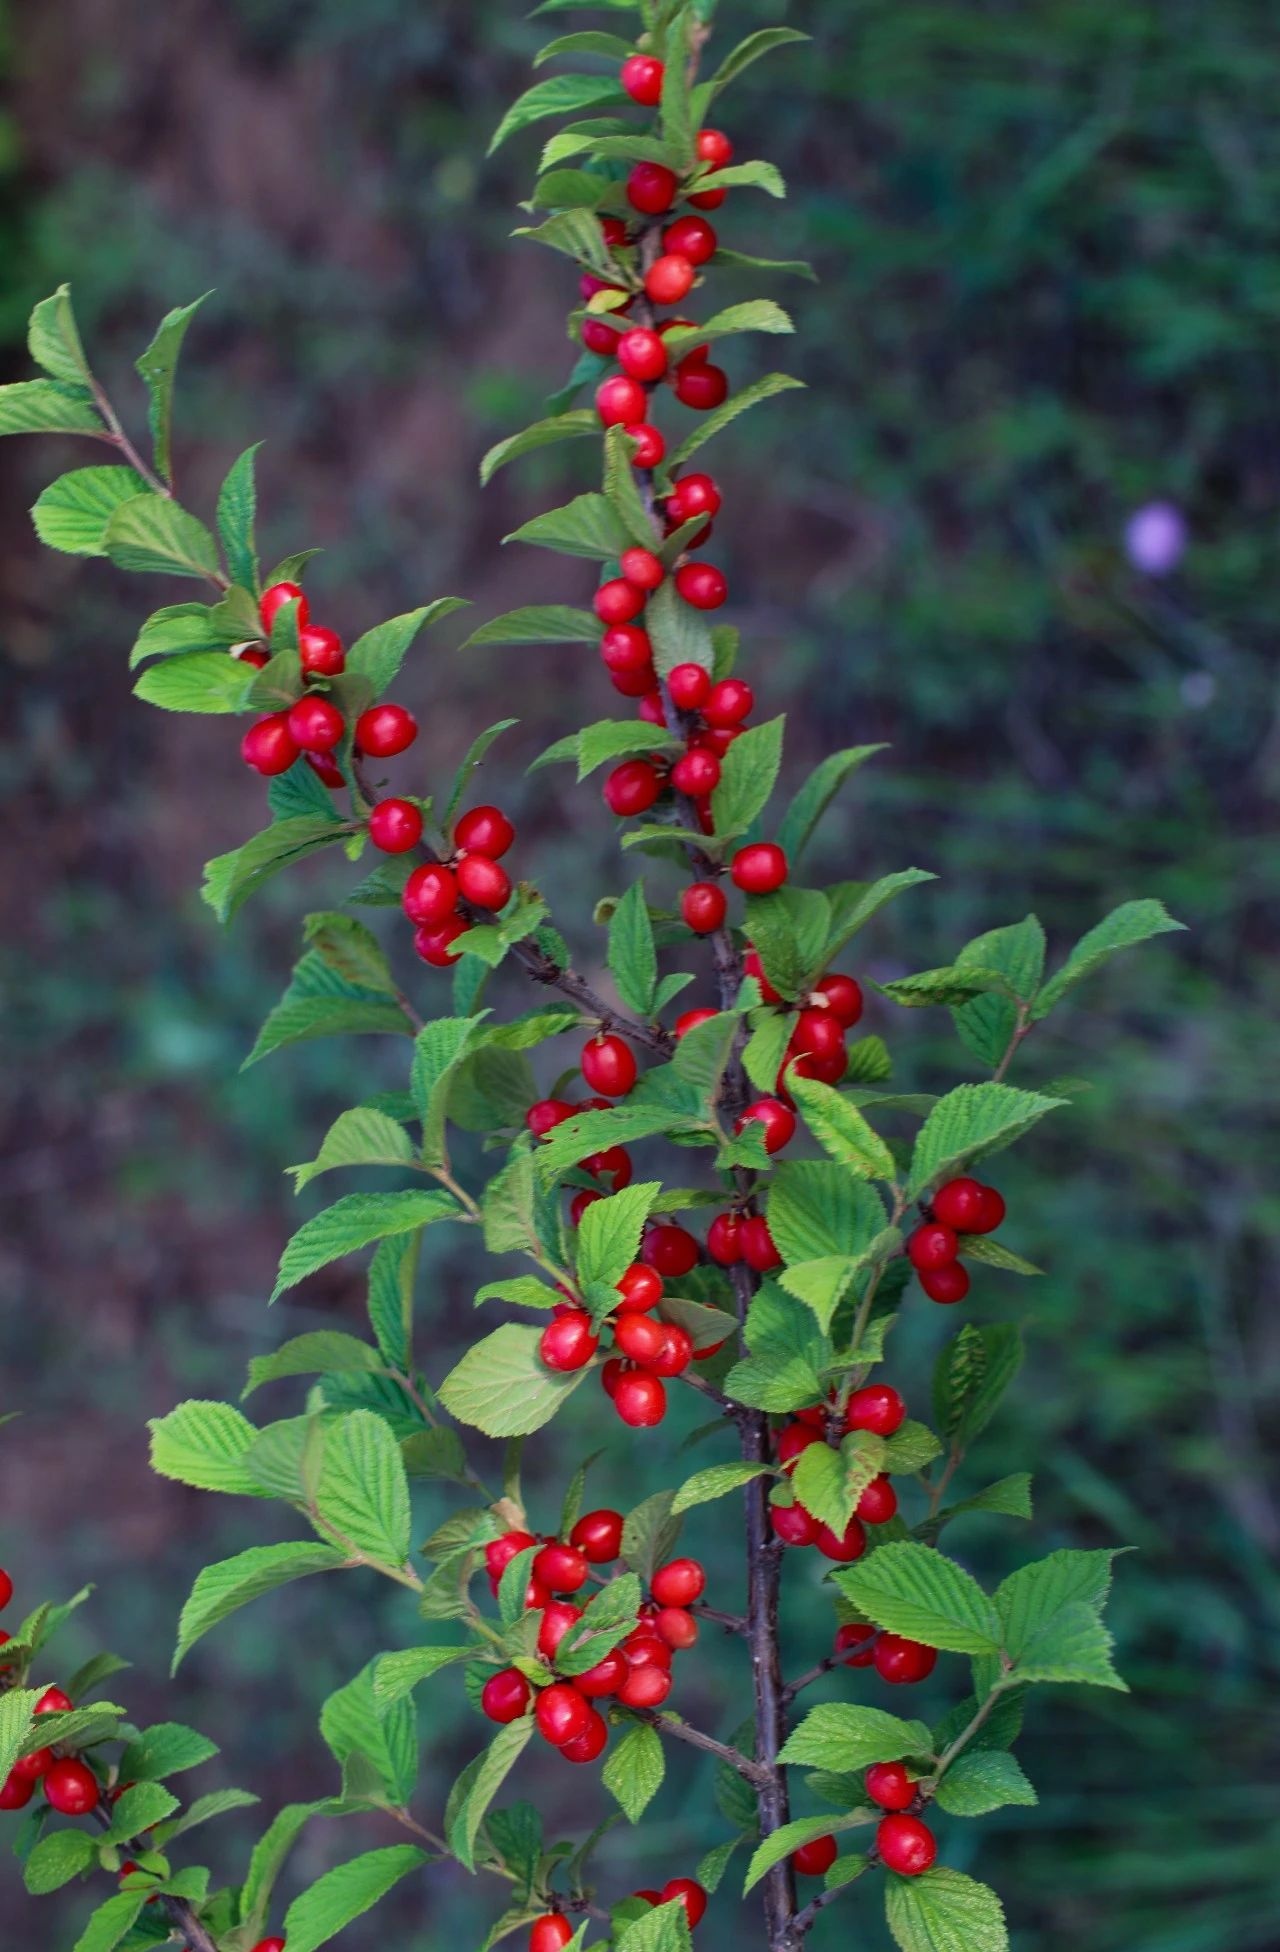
(707,199)
(641,567)
(651,446)
(752,966)
(499,1553)
(274,600)
(889,1785)
(598,1536)
(714,147)
(635,684)
(550,1933)
(729,702)
(958,1204)
(506,1695)
(638,1336)
(692,496)
(632,788)
(679,1583)
(251,654)
(651,708)
(626,648)
(269,1945)
(876,1407)
(878,1502)
(828,1070)
(562,1714)
(651,189)
(844,1547)
(640,1399)
(692,238)
(645,1646)
(844,998)
(689,686)
(557,1618)
(591,1743)
(724,1239)
(696,773)
(677,1627)
(646,1686)
(906,1845)
(778,1120)
(641,76)
(434,944)
(759,868)
(579,1204)
(691,1895)
(758,1248)
(818,1033)
(430,895)
(947,1284)
(71,1787)
(669,279)
(795,1438)
(599,334)
(991,1211)
(53,1702)
(609,1066)
(395,826)
(856,1636)
(16,1791)
(320,652)
(903,1661)
(568,1342)
(642,354)
(605,1678)
(932,1247)
(385,730)
(815,1858)
(620,401)
(702,585)
(315,725)
(562,1568)
(483,882)
(690,1019)
(793,1524)
(6,1588)
(670,1249)
(703,906)
(640,1288)
(676,1352)
(269,746)
(617,602)
(701,386)
(485,830)
(34,1764)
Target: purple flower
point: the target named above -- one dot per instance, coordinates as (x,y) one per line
(1155,538)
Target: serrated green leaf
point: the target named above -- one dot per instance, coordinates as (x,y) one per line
(164,1749)
(1030,1597)
(17,1706)
(222,1589)
(296,1020)
(139,1807)
(715,1482)
(944,1911)
(612,46)
(745,176)
(838,1735)
(151,534)
(748,774)
(1131,923)
(558,95)
(502,1387)
(913,1590)
(196,681)
(158,368)
(395,1676)
(711,424)
(969,1124)
(634,1773)
(853,903)
(380,652)
(538,623)
(204,1444)
(378,1727)
(987,1023)
(575,425)
(982,1780)
(498,1761)
(237,515)
(73,512)
(633,958)
(320,1352)
(53,339)
(56,1859)
(664,1928)
(757,44)
(971,1375)
(841,1130)
(360,1137)
(790,1837)
(752,315)
(47,407)
(346,1893)
(355,1222)
(362,1496)
(586,526)
(816,795)
(608,739)
(110,1922)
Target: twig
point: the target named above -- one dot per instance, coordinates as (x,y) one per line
(752,1772)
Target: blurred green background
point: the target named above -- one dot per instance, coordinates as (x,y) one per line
(1050,287)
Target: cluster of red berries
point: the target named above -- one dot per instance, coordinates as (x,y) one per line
(962,1206)
(637,1673)
(435,894)
(648,1349)
(876,1408)
(714,714)
(69,1784)
(552,1932)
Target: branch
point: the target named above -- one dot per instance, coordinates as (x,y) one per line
(752,1772)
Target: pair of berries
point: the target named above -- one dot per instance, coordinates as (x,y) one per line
(689,1893)
(963,1206)
(736,1237)
(896,1660)
(687,244)
(433,892)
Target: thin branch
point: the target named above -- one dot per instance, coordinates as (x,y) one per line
(752,1772)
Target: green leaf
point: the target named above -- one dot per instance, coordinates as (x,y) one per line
(634,1773)
(608,739)
(745,176)
(1008,1497)
(711,424)
(1131,923)
(663,1928)
(983,1780)
(944,1911)
(992,1253)
(679,633)
(853,903)
(742,261)
(158,367)
(612,46)
(321,1352)
(196,681)
(204,1444)
(609,1241)
(586,526)
(17,1707)
(841,1130)
(538,623)
(110,1922)
(579,423)
(715,1482)
(502,1387)
(356,1222)
(47,407)
(230,879)
(838,1735)
(218,1802)
(496,1765)
(1072,1645)
(164,1749)
(558,95)
(748,774)
(816,795)
(649,1534)
(56,1859)
(633,959)
(182,627)
(476,753)
(621,489)
(360,1137)
(816,1208)
(753,315)
(910,1448)
(1030,1597)
(53,339)
(969,1124)
(987,1023)
(971,1375)
(379,654)
(269,1857)
(223,1588)
(237,513)
(357,1721)
(790,1837)
(296,1020)
(73,512)
(829,1483)
(363,1494)
(913,1590)
(755,45)
(139,1808)
(953,984)
(346,1893)
(152,534)
(395,1676)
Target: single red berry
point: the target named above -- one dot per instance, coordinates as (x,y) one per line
(315,725)
(691,1895)
(269,745)
(252,654)
(729,702)
(54,1701)
(614,231)
(679,1583)
(707,199)
(645,1646)
(856,1637)
(947,1284)
(71,1787)
(669,279)
(876,1407)
(724,1239)
(844,1546)
(483,881)
(269,1945)
(696,774)
(620,402)
(694,495)
(557,1618)
(485,830)
(702,585)
(611,1375)
(599,332)
(320,652)
(550,1933)
(613,1165)
(752,966)
(815,1858)
(605,1678)
(641,1288)
(640,1399)
(34,1764)
(714,147)
(561,1567)
(818,1033)
(641,567)
(506,1696)
(274,600)
(651,189)
(844,998)
(626,648)
(435,944)
(906,1845)
(759,868)
(903,1661)
(676,1352)
(650,445)
(598,1536)
(651,709)
(6,1589)
(889,1785)
(592,1742)
(499,1553)
(703,906)
(671,1249)
(878,1503)
(677,1627)
(958,1204)
(562,1714)
(637,1336)
(609,1066)
(642,354)
(568,1342)
(794,1439)
(692,238)
(701,386)
(932,1247)
(758,1248)
(648,1685)
(16,1791)
(395,826)
(325,768)
(689,686)
(793,1524)
(635,684)
(430,895)
(828,1070)
(778,1120)
(618,602)
(991,1212)
(690,1019)
(385,730)
(641,76)
(579,1204)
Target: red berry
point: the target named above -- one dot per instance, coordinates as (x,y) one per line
(689,686)
(648,1685)
(499,1553)
(568,1342)
(638,1336)
(591,1743)
(729,702)
(724,1239)
(679,1583)
(315,725)
(385,730)
(906,1845)
(640,1399)
(605,1678)
(703,905)
(641,76)
(694,495)
(395,826)
(626,647)
(274,600)
(435,944)
(795,1438)
(641,567)
(651,189)
(889,1785)
(645,1646)
(844,1546)
(561,1567)
(483,882)
(793,1524)
(54,1702)
(609,1066)
(550,1933)
(614,231)
(651,709)
(562,1714)
(650,446)
(692,238)
(702,585)
(856,1636)
(876,1407)
(430,895)
(505,1696)
(557,1618)
(579,1204)
(759,868)
(696,774)
(752,966)
(6,1588)
(707,199)
(701,386)
(71,1787)
(632,788)
(690,1019)
(669,279)
(844,998)
(251,654)
(320,652)
(641,1288)
(598,1536)
(676,1353)
(269,1945)
(991,1212)
(618,602)
(642,354)
(485,830)
(828,1070)
(778,1120)
(946,1284)
(878,1502)
(16,1791)
(620,401)
(902,1661)
(34,1764)
(715,148)
(672,1250)
(958,1205)
(758,1249)
(932,1247)
(634,684)
(818,1033)
(269,745)
(691,1895)
(613,1165)
(324,768)
(815,1858)
(600,334)
(677,1627)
